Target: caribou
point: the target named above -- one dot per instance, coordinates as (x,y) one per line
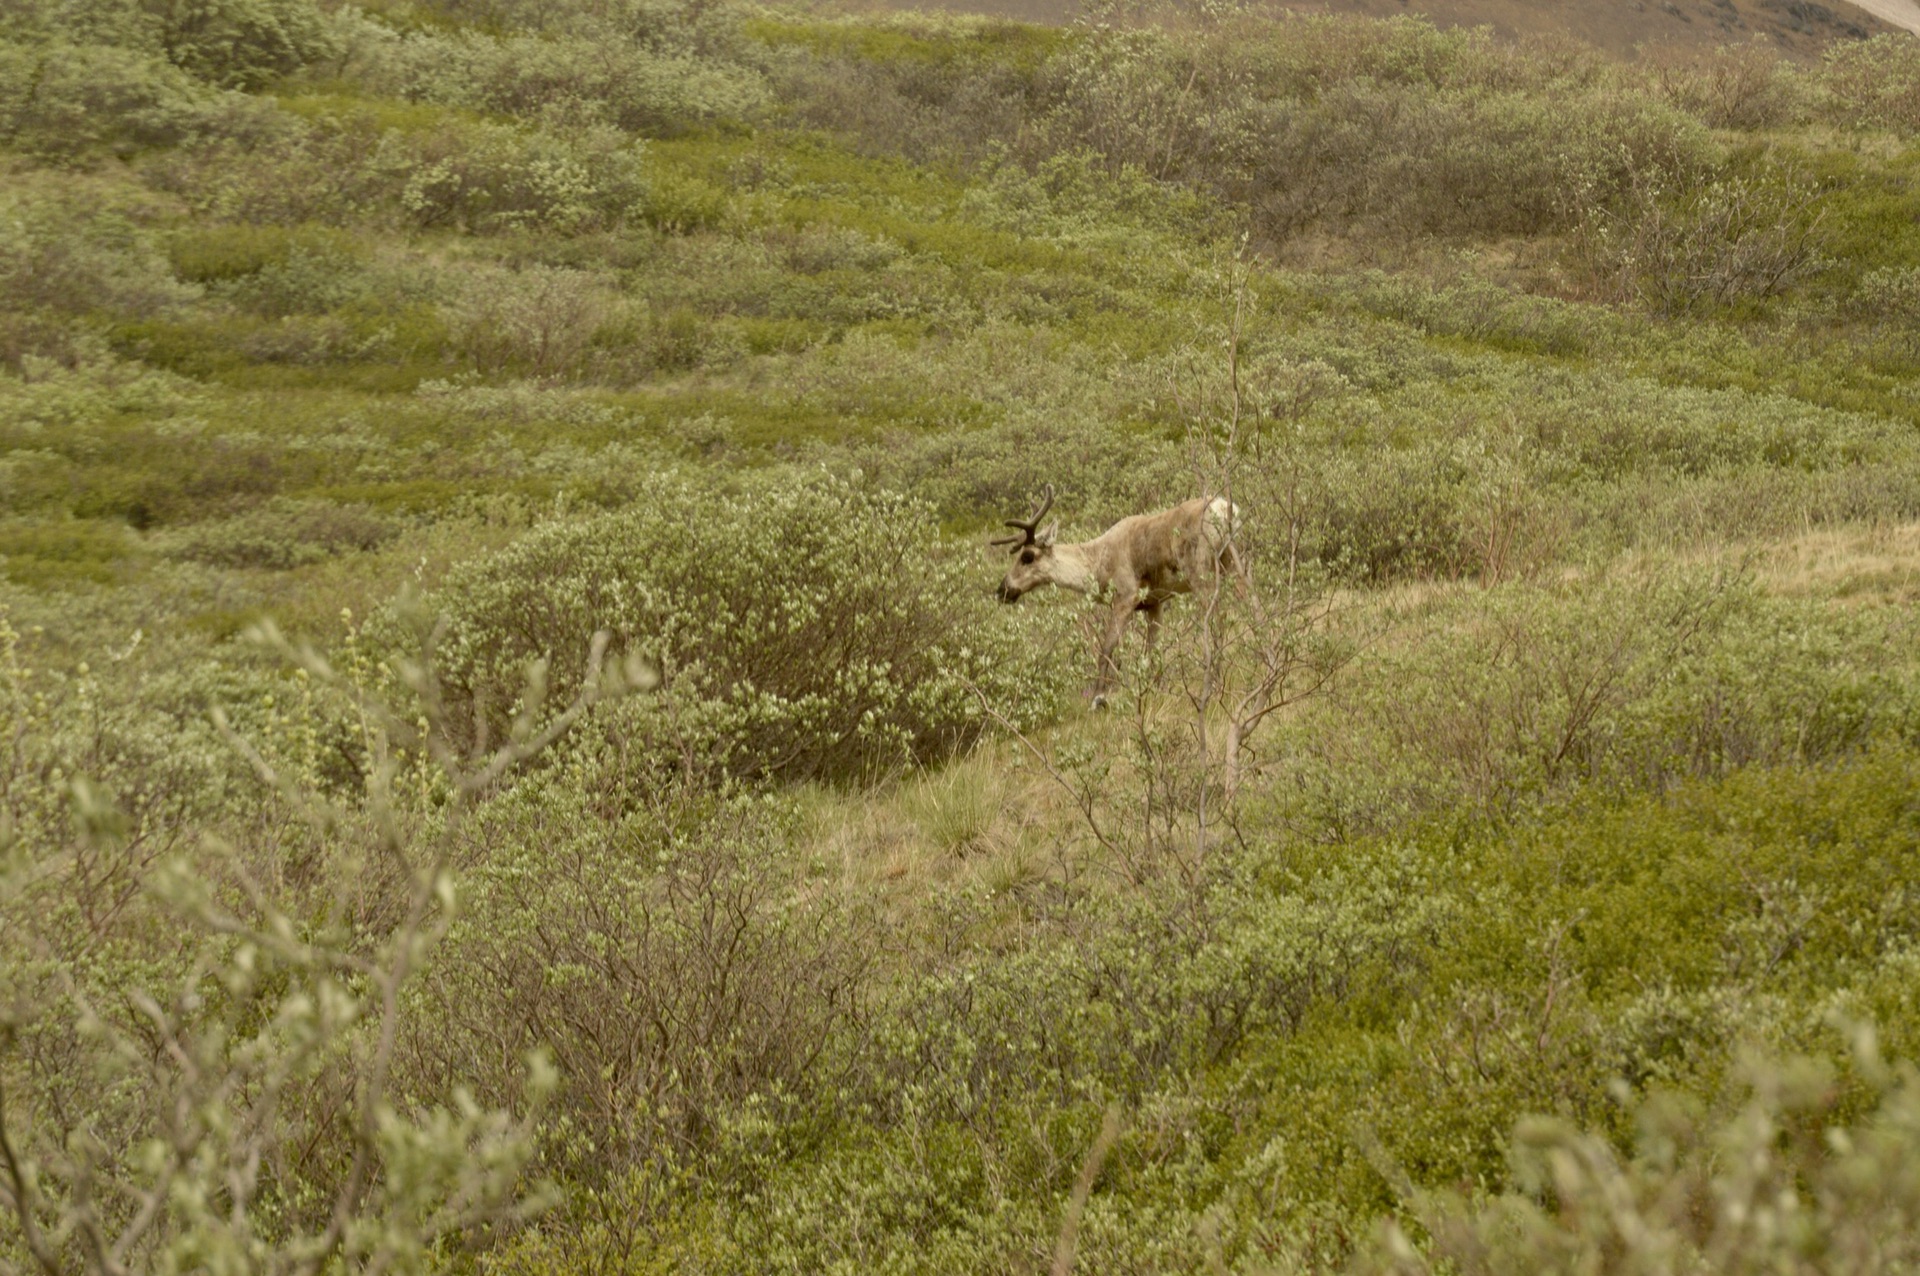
(1136,565)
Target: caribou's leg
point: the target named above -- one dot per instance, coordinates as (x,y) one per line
(1152,612)
(1234,565)
(1109,669)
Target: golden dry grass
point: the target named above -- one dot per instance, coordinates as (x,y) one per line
(1856,566)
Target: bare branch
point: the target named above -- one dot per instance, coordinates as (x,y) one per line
(26,1201)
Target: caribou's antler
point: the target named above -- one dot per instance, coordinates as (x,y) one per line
(1031,527)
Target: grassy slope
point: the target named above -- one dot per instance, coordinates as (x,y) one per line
(789,296)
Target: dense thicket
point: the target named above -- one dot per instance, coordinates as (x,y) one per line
(667,855)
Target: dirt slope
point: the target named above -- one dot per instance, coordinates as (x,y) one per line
(1901,13)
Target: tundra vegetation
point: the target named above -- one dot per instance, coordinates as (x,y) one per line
(512,764)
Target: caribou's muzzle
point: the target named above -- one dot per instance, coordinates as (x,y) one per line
(1008,594)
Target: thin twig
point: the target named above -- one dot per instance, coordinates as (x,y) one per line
(1067,1244)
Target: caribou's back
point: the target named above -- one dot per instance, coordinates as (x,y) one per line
(1170,550)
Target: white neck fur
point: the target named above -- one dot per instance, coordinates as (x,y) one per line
(1069,569)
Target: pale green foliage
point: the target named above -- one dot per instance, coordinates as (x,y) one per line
(1555,461)
(59,98)
(283,534)
(1398,124)
(1475,309)
(239,44)
(196,1050)
(66,258)
(1071,200)
(803,627)
(1631,683)
(1529,819)
(597,77)
(679,26)
(487,177)
(307,274)
(1889,297)
(459,174)
(659,944)
(1138,990)
(654,68)
(1874,82)
(538,319)
(1746,86)
(1100,473)
(517,402)
(98,385)
(1712,244)
(1795,1180)
(72,75)
(72,256)
(198,1139)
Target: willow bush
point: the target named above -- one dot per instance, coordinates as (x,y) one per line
(803,627)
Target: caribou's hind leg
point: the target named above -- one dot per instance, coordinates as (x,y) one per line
(1152,612)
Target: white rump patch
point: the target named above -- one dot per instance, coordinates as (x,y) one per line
(1221,518)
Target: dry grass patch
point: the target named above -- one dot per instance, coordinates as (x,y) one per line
(1871,566)
(991,819)
(957,808)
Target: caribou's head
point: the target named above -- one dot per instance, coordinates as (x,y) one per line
(1032,552)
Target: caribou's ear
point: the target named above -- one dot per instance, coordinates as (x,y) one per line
(1045,539)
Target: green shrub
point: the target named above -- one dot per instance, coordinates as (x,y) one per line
(1483,311)
(678,204)
(932,87)
(1748,86)
(90,387)
(449,173)
(283,534)
(67,553)
(682,26)
(1102,473)
(486,177)
(1339,123)
(222,254)
(803,627)
(1711,245)
(72,256)
(241,44)
(1874,82)
(969,1104)
(1530,695)
(1889,297)
(280,271)
(59,100)
(1391,516)
(230,44)
(602,77)
(538,320)
(1788,1182)
(124,920)
(669,958)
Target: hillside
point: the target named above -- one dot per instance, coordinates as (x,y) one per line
(512,760)
(1623,26)
(1797,28)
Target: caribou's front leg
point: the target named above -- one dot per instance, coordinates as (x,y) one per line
(1119,610)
